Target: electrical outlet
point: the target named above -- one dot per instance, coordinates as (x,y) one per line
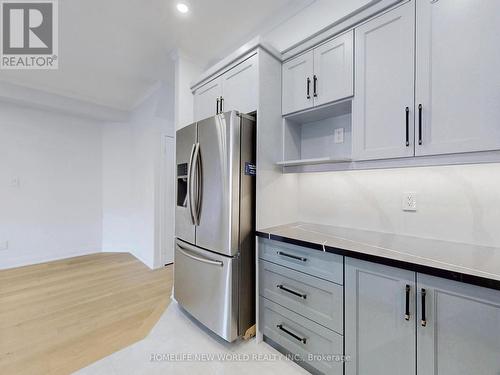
(4,245)
(15,182)
(338,135)
(409,202)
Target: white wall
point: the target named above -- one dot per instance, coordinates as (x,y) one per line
(185,72)
(56,210)
(132,153)
(456,203)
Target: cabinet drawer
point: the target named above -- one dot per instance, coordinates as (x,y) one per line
(313,262)
(312,343)
(316,299)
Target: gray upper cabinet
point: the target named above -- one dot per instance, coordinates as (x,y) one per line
(319,76)
(379,319)
(461,333)
(236,89)
(458,76)
(383,118)
(333,70)
(297,83)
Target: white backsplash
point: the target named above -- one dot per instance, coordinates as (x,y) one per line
(456,203)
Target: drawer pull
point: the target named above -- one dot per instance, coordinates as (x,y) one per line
(291,256)
(285,289)
(298,338)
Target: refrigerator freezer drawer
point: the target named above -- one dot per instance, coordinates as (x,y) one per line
(206,287)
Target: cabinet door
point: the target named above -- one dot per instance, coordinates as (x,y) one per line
(297,83)
(384,69)
(205,100)
(462,334)
(239,87)
(333,70)
(378,337)
(458,75)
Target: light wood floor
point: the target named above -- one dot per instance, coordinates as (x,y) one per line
(61,316)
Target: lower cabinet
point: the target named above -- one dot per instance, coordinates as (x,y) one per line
(301,308)
(399,322)
(379,319)
(458,328)
(308,342)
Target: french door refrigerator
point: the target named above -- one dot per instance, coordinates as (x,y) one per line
(214,269)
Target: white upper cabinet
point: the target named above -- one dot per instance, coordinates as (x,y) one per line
(458,328)
(333,70)
(458,76)
(239,87)
(297,83)
(383,117)
(207,99)
(236,89)
(319,76)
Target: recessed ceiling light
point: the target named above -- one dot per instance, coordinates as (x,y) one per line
(183,8)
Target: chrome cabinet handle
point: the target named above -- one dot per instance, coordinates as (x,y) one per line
(199,259)
(217,106)
(285,289)
(424,315)
(308,96)
(407,111)
(221,104)
(298,338)
(407,303)
(291,256)
(315,84)
(190,184)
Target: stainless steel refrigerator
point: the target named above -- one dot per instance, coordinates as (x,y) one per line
(214,270)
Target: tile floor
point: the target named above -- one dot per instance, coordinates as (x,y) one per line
(175,333)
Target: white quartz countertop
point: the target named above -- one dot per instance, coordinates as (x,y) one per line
(465,259)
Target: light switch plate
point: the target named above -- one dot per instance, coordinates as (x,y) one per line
(338,135)
(409,202)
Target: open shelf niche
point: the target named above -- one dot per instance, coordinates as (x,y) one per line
(318,136)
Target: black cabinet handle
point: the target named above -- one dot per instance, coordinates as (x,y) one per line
(420,124)
(407,110)
(217,107)
(424,317)
(291,256)
(298,338)
(221,104)
(285,289)
(308,88)
(407,303)
(315,85)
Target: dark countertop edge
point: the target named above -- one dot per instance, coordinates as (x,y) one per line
(262,234)
(433,271)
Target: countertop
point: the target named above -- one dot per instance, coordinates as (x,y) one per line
(473,264)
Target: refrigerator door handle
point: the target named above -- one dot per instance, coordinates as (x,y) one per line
(195,173)
(185,252)
(190,184)
(199,185)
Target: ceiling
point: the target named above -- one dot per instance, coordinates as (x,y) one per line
(113,52)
